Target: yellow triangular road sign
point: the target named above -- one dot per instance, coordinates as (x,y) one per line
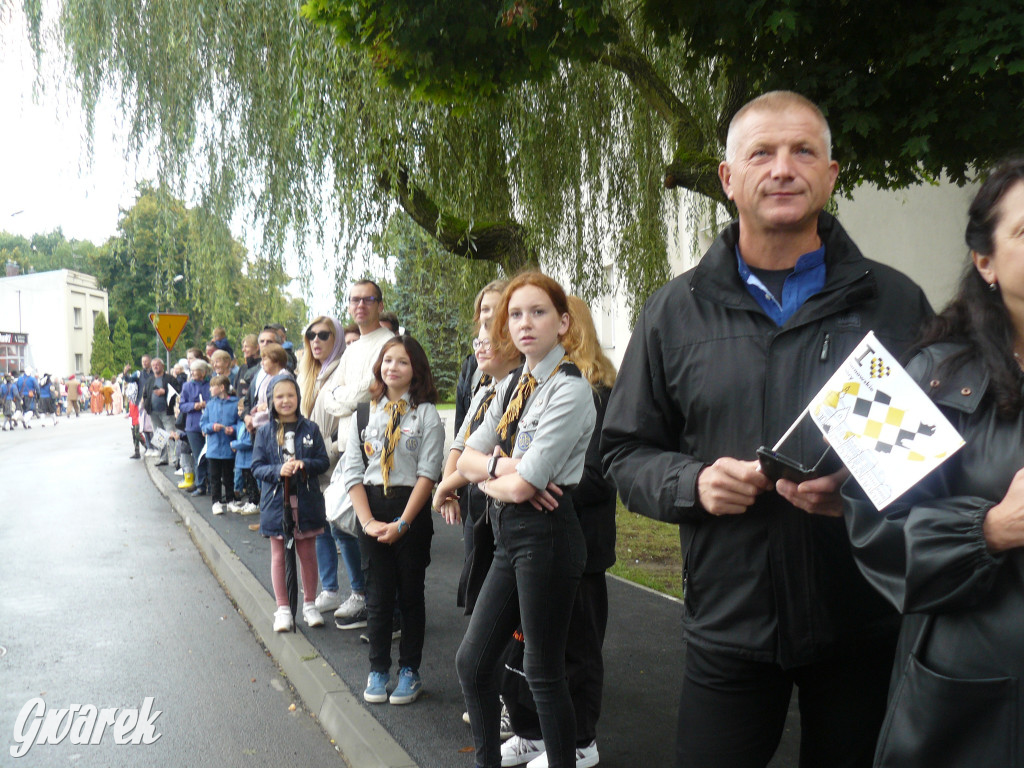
(169,326)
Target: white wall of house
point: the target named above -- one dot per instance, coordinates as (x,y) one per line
(57,310)
(919,231)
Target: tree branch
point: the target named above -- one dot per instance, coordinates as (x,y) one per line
(502,242)
(693,166)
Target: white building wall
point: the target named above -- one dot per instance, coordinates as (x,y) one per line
(919,231)
(43,305)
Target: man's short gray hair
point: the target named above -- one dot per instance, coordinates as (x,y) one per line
(776,101)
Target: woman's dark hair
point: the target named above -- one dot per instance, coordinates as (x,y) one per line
(977,316)
(422,389)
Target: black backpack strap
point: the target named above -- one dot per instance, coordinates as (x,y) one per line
(362,420)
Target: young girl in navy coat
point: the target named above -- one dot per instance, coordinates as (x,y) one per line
(289,452)
(390,470)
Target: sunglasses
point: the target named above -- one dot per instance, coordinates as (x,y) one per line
(322,335)
(356,300)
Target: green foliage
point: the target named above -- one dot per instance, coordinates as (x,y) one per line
(269,114)
(101,361)
(464,50)
(433,295)
(912,90)
(523,131)
(45,252)
(122,345)
(167,257)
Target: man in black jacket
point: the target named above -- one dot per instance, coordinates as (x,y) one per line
(722,360)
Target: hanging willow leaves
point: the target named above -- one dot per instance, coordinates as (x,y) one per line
(518,132)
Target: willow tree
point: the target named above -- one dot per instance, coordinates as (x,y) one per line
(267,112)
(521,131)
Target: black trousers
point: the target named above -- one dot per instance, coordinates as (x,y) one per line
(732,711)
(532,581)
(396,571)
(222,475)
(584,666)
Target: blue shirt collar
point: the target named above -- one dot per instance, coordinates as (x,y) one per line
(807,278)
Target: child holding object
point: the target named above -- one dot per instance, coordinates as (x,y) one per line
(390,470)
(287,458)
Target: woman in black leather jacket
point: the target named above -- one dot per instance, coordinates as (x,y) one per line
(950,553)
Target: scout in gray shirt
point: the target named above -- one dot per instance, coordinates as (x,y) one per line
(476,528)
(529,450)
(389,471)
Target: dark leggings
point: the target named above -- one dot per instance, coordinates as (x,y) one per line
(532,581)
(396,570)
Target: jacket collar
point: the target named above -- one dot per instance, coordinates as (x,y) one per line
(961,388)
(717,278)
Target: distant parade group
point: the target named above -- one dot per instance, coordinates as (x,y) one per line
(44,399)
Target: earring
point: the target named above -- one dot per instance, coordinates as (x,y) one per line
(993,286)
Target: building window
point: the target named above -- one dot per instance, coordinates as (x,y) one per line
(78,317)
(78,364)
(94,313)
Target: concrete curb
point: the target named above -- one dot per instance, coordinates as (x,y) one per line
(362,741)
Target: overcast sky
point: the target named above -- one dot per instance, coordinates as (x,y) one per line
(44,172)
(47,180)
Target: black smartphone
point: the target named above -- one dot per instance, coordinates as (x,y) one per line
(777,466)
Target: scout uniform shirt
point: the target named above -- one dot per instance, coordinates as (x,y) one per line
(554,429)
(419,453)
(481,394)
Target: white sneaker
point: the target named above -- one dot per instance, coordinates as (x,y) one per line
(518,750)
(283,619)
(327,601)
(179,471)
(311,615)
(249,509)
(351,607)
(586,757)
(218,508)
(234,506)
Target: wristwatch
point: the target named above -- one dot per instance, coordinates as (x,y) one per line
(492,467)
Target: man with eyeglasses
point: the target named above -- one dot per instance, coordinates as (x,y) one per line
(348,386)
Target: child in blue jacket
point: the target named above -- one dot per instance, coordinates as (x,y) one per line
(248,504)
(218,424)
(288,456)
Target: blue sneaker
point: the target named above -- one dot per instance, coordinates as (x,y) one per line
(377,687)
(409,687)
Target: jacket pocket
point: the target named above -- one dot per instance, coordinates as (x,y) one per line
(944,722)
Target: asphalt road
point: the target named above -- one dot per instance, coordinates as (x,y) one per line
(105,601)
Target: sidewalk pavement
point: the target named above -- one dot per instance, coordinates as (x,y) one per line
(643,655)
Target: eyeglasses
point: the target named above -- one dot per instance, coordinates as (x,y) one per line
(356,300)
(479,344)
(322,335)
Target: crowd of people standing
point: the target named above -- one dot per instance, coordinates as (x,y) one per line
(786,584)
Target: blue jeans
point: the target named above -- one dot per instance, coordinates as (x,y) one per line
(328,545)
(538,560)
